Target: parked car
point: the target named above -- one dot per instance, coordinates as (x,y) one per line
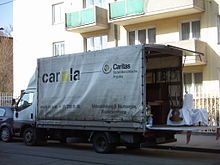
(6,123)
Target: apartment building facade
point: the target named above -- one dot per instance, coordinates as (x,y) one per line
(57,27)
(6,65)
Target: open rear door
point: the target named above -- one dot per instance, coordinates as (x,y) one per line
(164,89)
(164,82)
(164,85)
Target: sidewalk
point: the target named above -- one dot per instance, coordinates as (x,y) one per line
(198,142)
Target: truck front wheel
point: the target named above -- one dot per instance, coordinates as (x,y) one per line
(30,136)
(101,143)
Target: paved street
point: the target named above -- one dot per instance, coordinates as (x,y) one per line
(16,153)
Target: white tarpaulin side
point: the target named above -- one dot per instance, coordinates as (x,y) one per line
(104,85)
(33,81)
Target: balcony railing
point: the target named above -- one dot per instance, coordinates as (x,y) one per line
(86,20)
(126,8)
(193,45)
(78,18)
(126,12)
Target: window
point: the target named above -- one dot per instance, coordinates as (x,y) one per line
(193,83)
(196,29)
(90,3)
(2,112)
(219,78)
(57,13)
(190,30)
(218,27)
(152,35)
(25,101)
(142,36)
(58,48)
(96,43)
(185,31)
(131,38)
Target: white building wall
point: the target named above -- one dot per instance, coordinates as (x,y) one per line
(34,35)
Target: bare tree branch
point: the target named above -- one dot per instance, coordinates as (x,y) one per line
(6,31)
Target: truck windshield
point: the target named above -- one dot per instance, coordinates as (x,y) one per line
(25,101)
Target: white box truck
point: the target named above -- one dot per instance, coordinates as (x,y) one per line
(102,97)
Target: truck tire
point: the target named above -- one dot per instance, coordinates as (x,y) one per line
(29,136)
(33,137)
(101,143)
(6,134)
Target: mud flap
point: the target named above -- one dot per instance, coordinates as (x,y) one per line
(217,133)
(188,136)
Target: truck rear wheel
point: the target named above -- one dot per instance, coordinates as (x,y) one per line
(30,137)
(101,143)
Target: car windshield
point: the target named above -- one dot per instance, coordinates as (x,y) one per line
(2,112)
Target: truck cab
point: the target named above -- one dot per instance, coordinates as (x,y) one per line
(25,109)
(24,114)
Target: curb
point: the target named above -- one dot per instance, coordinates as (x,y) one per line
(192,149)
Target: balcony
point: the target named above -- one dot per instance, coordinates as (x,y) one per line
(126,12)
(87,20)
(193,45)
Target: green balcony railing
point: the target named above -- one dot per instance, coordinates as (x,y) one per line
(78,18)
(126,8)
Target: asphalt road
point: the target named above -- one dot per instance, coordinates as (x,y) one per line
(16,153)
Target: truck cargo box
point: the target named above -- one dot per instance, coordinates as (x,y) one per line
(109,89)
(93,90)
